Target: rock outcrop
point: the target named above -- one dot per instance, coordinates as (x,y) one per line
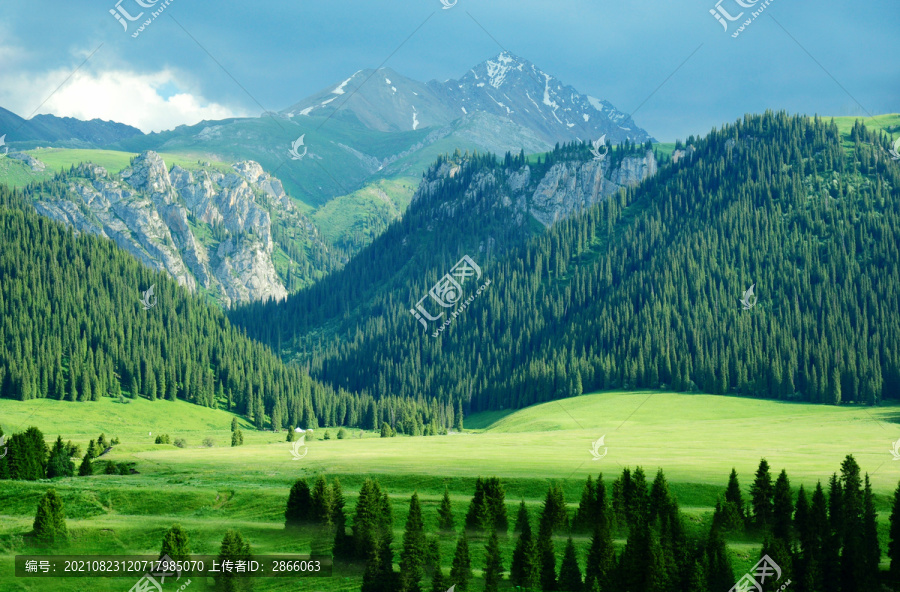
(154,214)
(565,188)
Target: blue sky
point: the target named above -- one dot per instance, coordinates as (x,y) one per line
(216,59)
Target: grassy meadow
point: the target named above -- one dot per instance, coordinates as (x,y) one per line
(696,439)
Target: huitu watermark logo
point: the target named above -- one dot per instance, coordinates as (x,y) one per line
(895,151)
(163,568)
(734,13)
(296,445)
(294,152)
(126,16)
(3,443)
(748,300)
(149,299)
(595,448)
(3,145)
(448,5)
(448,293)
(754,580)
(595,148)
(895,450)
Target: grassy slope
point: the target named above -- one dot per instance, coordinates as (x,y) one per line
(16,173)
(889,122)
(386,199)
(695,438)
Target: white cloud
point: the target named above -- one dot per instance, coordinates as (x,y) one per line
(145,101)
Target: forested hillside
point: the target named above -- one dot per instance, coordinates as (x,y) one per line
(641,290)
(73,328)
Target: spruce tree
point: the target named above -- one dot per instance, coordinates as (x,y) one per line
(299,504)
(521,518)
(342,543)
(804,528)
(524,570)
(719,574)
(830,554)
(854,575)
(734,503)
(871,547)
(493,564)
(175,544)
(233,549)
(569,573)
(371,579)
(477,516)
(600,563)
(659,497)
(779,551)
(412,557)
(584,516)
(388,579)
(60,464)
(37,452)
(366,519)
(553,510)
(495,505)
(49,527)
(85,469)
(894,538)
(237,437)
(438,583)
(642,564)
(546,555)
(445,513)
(320,502)
(637,509)
(461,570)
(761,493)
(782,508)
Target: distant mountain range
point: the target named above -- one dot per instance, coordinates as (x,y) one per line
(370,126)
(506,86)
(68,130)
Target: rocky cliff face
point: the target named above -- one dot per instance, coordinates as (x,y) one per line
(554,194)
(205,227)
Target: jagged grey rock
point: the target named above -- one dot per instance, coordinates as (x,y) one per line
(566,188)
(147,211)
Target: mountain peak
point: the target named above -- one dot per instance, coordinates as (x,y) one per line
(505,85)
(499,67)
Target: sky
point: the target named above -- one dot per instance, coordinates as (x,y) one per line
(672,65)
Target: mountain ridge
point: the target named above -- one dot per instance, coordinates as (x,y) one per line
(373,96)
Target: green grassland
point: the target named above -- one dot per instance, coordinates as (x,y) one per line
(355,220)
(696,439)
(889,122)
(15,173)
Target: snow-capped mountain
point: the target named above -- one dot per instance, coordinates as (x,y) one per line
(506,86)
